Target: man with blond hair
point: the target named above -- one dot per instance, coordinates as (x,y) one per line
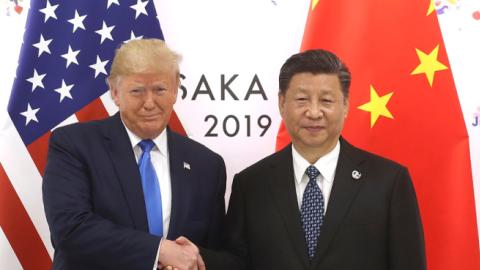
(118,192)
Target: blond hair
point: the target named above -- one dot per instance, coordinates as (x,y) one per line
(144,56)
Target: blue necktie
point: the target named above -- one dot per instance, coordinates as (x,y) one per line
(312,210)
(151,189)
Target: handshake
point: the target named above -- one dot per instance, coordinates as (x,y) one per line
(180,254)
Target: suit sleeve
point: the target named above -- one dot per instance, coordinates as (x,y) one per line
(406,241)
(215,229)
(234,252)
(84,238)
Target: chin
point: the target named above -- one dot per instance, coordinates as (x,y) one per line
(317,142)
(151,132)
(318,139)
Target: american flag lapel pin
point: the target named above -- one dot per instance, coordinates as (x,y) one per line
(186,165)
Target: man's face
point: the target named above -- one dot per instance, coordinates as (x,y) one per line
(314,110)
(145,101)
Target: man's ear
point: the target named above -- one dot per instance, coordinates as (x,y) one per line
(112,85)
(175,89)
(346,107)
(281,103)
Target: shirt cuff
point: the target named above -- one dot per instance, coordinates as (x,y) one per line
(156,263)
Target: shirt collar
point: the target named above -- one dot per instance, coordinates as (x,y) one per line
(160,141)
(327,164)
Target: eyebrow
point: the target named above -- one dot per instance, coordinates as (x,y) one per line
(322,91)
(134,82)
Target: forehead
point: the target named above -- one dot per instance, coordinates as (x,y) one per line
(319,83)
(147,78)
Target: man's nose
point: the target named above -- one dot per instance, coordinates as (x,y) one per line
(314,110)
(148,99)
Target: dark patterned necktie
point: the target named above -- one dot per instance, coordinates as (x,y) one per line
(312,210)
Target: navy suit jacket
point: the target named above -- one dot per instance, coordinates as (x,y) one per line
(94,202)
(372,222)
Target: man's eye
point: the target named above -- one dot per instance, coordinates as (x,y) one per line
(160,89)
(136,91)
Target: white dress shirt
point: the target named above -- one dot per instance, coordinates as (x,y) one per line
(161,164)
(326,165)
(160,161)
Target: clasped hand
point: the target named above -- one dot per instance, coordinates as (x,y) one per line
(180,254)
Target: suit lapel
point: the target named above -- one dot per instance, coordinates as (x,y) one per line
(181,190)
(343,193)
(120,150)
(282,188)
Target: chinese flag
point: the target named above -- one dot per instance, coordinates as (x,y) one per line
(404,106)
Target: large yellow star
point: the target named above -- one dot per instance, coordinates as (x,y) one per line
(431,7)
(428,64)
(314,4)
(377,106)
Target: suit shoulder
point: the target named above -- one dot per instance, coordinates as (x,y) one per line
(82,127)
(83,130)
(195,147)
(262,165)
(376,160)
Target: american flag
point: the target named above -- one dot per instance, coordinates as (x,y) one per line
(67,51)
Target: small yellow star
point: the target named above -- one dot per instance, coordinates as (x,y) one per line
(428,64)
(377,106)
(314,4)
(431,8)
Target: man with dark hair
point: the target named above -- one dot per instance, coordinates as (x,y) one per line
(321,203)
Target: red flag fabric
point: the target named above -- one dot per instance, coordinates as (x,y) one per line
(404,106)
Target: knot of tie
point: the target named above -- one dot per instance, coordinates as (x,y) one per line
(312,172)
(146,145)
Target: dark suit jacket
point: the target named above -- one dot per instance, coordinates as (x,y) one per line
(371,223)
(94,201)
